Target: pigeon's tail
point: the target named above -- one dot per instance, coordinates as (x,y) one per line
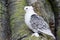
(52,36)
(48,32)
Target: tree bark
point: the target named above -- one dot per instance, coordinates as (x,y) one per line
(18,27)
(0,20)
(6,30)
(56,9)
(12,18)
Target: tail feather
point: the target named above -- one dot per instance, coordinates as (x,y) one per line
(53,36)
(48,32)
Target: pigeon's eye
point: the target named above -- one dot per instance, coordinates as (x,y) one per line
(26,8)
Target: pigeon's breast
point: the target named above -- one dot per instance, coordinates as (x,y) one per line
(27,19)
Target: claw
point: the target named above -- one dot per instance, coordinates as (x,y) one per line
(35,34)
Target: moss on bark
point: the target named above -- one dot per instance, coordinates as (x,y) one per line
(18,26)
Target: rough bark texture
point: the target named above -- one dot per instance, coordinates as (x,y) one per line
(12,14)
(56,9)
(2,9)
(6,31)
(58,18)
(19,30)
(0,21)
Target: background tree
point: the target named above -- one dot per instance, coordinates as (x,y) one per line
(5,20)
(56,9)
(12,25)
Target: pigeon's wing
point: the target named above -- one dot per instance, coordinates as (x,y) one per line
(39,25)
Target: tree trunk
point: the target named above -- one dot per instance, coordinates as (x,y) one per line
(0,21)
(19,30)
(18,27)
(12,25)
(56,8)
(6,30)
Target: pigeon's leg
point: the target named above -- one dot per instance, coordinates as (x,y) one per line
(35,34)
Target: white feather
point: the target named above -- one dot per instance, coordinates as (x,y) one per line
(29,12)
(35,34)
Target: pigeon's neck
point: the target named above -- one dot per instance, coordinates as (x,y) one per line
(30,11)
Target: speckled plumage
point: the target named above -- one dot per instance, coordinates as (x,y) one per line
(36,23)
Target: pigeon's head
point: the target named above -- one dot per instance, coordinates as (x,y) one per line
(28,8)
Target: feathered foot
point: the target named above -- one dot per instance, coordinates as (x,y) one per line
(35,34)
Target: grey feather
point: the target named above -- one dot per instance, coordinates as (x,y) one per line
(38,22)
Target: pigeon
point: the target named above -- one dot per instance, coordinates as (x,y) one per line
(36,23)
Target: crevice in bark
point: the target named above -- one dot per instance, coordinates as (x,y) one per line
(55,10)
(6,33)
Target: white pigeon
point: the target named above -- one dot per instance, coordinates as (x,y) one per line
(36,23)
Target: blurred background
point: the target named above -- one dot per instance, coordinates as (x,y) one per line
(13,27)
